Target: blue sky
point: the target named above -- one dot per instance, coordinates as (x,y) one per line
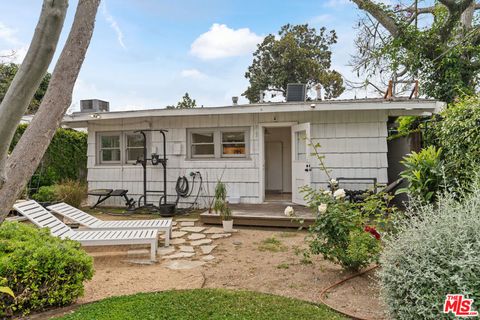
(148,53)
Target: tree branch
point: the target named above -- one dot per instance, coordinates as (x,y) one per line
(380,14)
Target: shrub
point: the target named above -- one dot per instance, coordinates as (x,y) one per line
(434,254)
(71,192)
(45,194)
(424,173)
(348,233)
(65,158)
(42,270)
(458,134)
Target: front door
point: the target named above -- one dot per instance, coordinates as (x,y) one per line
(301,171)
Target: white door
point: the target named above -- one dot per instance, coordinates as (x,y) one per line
(301,170)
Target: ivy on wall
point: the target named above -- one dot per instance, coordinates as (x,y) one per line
(65,158)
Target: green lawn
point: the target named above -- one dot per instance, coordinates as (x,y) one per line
(202,304)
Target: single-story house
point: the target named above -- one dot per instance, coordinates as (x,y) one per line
(260,151)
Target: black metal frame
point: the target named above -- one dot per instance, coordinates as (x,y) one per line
(155,160)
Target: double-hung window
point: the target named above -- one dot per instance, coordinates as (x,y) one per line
(110,148)
(120,147)
(217,143)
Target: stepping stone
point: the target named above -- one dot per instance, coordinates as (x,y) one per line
(174,223)
(192,229)
(213,230)
(165,250)
(187,220)
(187,224)
(221,235)
(178,234)
(139,251)
(201,242)
(141,262)
(179,255)
(184,264)
(196,236)
(187,249)
(237,243)
(207,249)
(208,258)
(177,241)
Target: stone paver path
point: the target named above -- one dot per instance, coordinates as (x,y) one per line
(196,236)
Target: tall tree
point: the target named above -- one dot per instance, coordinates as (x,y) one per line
(185,103)
(8,72)
(299,54)
(32,145)
(29,75)
(442,50)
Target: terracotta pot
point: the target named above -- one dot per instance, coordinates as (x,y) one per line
(227,225)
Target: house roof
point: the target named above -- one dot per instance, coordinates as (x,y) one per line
(398,106)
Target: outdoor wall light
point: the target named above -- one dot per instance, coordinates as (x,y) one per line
(95,116)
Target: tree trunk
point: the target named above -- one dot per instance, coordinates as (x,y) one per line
(467,16)
(34,142)
(30,74)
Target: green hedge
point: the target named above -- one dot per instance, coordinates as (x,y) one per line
(42,270)
(65,158)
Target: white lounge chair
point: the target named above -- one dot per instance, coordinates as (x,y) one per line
(42,218)
(90,221)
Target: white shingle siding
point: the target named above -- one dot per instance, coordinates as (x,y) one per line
(353,142)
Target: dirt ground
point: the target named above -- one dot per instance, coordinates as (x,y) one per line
(263,259)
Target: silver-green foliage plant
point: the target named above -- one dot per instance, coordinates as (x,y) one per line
(435,253)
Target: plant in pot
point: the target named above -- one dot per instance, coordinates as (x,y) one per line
(221,207)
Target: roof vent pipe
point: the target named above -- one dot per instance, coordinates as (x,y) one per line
(318,89)
(262,96)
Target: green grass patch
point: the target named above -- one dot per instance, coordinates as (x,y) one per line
(202,304)
(272,244)
(283,266)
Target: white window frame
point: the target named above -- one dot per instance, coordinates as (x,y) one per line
(218,143)
(100,149)
(123,146)
(131,133)
(191,144)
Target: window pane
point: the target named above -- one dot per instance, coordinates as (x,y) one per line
(203,150)
(301,146)
(134,140)
(111,155)
(234,149)
(110,141)
(134,153)
(233,137)
(202,137)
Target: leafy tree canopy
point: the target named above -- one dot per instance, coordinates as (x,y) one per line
(185,103)
(8,71)
(299,54)
(439,45)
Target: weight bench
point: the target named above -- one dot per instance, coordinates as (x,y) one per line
(104,194)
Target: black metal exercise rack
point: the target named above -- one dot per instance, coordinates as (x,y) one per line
(163,207)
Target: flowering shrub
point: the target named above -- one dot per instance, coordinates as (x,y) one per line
(348,233)
(435,253)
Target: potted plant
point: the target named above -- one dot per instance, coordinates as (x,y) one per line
(221,207)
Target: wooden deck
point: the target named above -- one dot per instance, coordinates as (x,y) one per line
(264,215)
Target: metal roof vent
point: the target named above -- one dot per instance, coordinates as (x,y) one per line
(296,92)
(94,105)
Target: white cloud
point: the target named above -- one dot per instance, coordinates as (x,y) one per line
(221,41)
(13,55)
(192,73)
(8,34)
(113,24)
